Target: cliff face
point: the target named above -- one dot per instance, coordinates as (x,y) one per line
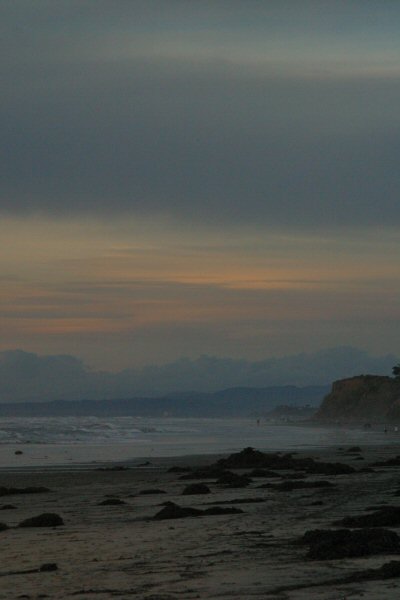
(363,398)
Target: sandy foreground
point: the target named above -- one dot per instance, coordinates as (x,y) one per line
(119,551)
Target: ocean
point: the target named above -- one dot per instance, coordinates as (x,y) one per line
(50,441)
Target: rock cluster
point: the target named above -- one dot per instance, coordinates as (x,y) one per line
(43,520)
(345,543)
(250,459)
(174,511)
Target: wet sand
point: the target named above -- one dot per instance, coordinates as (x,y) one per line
(109,551)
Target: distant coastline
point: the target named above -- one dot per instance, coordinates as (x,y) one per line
(231,402)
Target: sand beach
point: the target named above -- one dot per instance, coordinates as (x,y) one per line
(111,546)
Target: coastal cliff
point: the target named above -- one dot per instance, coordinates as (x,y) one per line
(362,398)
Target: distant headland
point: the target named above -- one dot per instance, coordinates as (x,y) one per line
(363,398)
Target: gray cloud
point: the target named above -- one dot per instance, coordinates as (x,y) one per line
(88,129)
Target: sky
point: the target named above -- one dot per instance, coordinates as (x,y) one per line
(181,178)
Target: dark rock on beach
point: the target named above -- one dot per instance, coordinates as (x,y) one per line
(391,462)
(4,491)
(233,480)
(174,511)
(211,472)
(345,543)
(178,469)
(111,502)
(295,475)
(386,571)
(46,567)
(3,527)
(255,500)
(288,486)
(196,488)
(263,473)
(43,520)
(325,468)
(388,516)
(8,507)
(114,468)
(250,458)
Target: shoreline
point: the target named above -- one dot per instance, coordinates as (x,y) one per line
(151,462)
(159,445)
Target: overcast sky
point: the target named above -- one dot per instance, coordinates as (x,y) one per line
(182,177)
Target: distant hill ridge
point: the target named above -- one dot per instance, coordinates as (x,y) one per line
(29,377)
(362,398)
(231,402)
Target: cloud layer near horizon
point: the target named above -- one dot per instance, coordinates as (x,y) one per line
(133,294)
(28,377)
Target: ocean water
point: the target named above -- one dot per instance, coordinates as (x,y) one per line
(49,441)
